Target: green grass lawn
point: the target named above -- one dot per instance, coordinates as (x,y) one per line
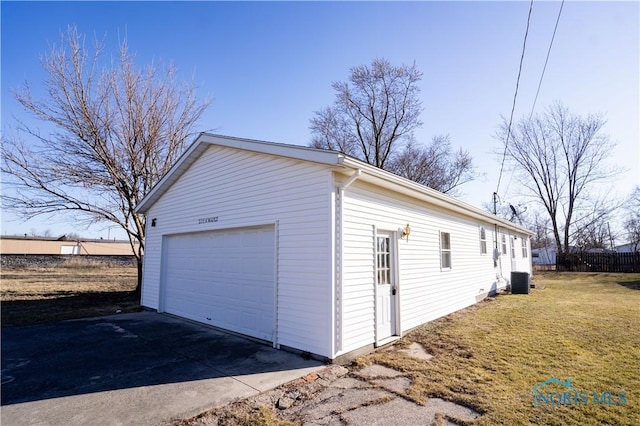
(582,327)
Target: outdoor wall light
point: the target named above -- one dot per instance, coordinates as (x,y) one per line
(153,222)
(406,232)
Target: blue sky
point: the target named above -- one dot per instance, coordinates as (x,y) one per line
(268,66)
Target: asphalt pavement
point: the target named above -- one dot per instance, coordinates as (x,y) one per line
(142,368)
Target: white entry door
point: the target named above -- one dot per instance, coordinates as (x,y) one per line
(386,286)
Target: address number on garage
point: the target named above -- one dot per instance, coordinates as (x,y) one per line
(212,219)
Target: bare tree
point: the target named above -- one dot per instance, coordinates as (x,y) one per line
(539,223)
(118,129)
(632,221)
(373,118)
(434,165)
(373,115)
(593,230)
(560,158)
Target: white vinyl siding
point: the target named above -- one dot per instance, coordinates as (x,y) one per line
(424,292)
(243,189)
(326,268)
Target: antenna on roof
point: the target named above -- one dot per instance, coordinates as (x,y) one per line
(516,214)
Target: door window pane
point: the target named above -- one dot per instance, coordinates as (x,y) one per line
(383,262)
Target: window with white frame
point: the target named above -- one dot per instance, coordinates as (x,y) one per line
(524,247)
(445,250)
(483,241)
(504,244)
(513,248)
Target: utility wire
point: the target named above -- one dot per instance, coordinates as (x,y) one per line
(515,96)
(547,60)
(541,78)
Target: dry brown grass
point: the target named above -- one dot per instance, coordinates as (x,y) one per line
(585,327)
(237,414)
(73,290)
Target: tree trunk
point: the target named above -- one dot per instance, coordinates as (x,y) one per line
(139,285)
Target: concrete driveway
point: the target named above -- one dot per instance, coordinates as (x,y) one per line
(142,368)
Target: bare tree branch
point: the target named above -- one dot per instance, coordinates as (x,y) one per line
(373,118)
(118,130)
(434,165)
(632,221)
(560,158)
(373,115)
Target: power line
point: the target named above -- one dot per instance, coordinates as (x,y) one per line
(547,60)
(515,95)
(541,78)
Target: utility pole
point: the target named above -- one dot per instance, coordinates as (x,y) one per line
(495,231)
(610,237)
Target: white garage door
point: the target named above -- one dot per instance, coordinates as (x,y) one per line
(222,278)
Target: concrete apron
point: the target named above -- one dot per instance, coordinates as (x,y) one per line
(141,368)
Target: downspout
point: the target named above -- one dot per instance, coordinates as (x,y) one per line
(339,273)
(275,337)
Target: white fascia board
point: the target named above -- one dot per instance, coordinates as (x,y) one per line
(303,153)
(405,186)
(177,169)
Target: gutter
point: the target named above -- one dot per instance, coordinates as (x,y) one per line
(431,195)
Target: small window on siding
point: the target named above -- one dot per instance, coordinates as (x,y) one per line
(524,247)
(483,241)
(504,244)
(513,248)
(445,250)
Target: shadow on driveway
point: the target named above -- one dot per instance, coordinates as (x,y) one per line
(131,351)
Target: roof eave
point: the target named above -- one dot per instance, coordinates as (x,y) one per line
(327,157)
(431,195)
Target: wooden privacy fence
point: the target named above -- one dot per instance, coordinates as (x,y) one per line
(598,262)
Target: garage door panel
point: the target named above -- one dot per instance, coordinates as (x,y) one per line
(223,278)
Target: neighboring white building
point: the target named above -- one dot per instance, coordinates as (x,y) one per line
(628,248)
(313,250)
(544,255)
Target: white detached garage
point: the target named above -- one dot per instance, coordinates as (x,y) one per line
(313,250)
